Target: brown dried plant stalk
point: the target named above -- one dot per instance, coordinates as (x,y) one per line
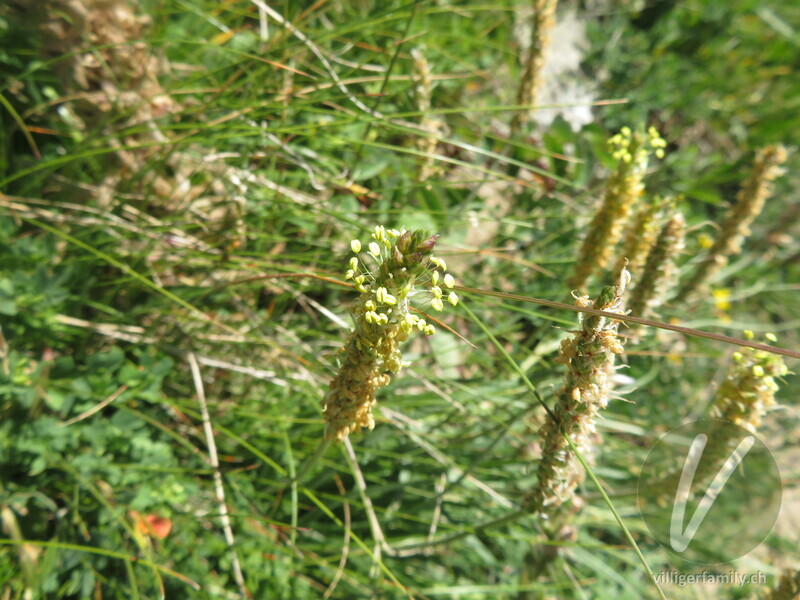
(544,18)
(110,78)
(589,355)
(749,203)
(631,151)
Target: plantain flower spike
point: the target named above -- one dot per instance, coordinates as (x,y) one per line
(388,275)
(750,200)
(788,587)
(631,150)
(640,236)
(749,387)
(589,355)
(659,270)
(743,398)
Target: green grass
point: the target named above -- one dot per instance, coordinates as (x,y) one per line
(108,282)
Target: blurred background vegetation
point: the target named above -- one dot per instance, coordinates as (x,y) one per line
(166,166)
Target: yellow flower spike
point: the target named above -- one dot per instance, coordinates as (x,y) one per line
(436,291)
(437,304)
(771,337)
(429,330)
(748,335)
(421,324)
(370,305)
(349,274)
(355,246)
(449,281)
(354,264)
(452,298)
(374,249)
(744,396)
(435,278)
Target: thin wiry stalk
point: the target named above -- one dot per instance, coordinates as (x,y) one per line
(219,489)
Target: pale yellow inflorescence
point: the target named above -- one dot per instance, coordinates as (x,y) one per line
(388,275)
(423,91)
(748,390)
(631,150)
(744,396)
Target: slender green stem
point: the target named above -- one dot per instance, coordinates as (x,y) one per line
(290,462)
(617,516)
(310,462)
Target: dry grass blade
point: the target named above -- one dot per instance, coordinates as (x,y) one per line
(219,489)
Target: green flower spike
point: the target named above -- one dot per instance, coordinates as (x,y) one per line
(388,276)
